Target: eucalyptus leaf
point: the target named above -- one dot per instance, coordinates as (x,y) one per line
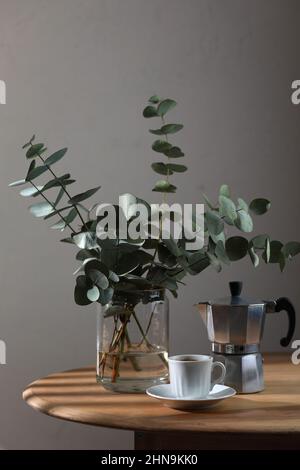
(267,251)
(53,183)
(220,253)
(71,216)
(260,206)
(93,294)
(106,295)
(31,191)
(41,209)
(259,241)
(161,168)
(55,157)
(96,265)
(214,262)
(17,183)
(85,240)
(171,128)
(80,296)
(86,254)
(161,146)
(98,278)
(165,106)
(215,224)
(291,249)
(82,196)
(156,131)
(236,248)
(59,196)
(174,152)
(112,276)
(244,221)
(34,151)
(127,263)
(224,191)
(253,256)
(154,99)
(207,201)
(60,225)
(242,205)
(227,208)
(163,186)
(68,240)
(275,251)
(149,112)
(31,167)
(36,172)
(57,211)
(173,167)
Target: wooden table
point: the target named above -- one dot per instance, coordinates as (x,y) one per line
(266,420)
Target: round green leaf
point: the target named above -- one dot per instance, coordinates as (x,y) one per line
(161,146)
(171,128)
(291,249)
(164,186)
(275,251)
(93,294)
(112,276)
(165,106)
(106,296)
(154,99)
(97,266)
(236,248)
(174,152)
(156,131)
(80,296)
(259,241)
(176,168)
(161,168)
(98,278)
(244,221)
(260,206)
(149,112)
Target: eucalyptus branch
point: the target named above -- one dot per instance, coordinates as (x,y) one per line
(62,186)
(53,207)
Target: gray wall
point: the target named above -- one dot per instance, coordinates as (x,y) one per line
(78,73)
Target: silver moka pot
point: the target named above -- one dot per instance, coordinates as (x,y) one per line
(235,327)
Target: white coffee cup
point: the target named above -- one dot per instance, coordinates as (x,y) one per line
(191,375)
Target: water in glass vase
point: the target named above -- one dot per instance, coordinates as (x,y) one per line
(134,370)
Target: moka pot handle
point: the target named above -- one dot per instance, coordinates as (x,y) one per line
(283,303)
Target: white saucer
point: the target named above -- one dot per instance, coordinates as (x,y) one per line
(165,395)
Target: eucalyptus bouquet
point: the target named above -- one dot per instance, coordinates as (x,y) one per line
(122,267)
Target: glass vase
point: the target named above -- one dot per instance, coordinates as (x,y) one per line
(132,341)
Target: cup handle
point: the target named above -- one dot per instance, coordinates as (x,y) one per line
(221,377)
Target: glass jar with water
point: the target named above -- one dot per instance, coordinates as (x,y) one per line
(132,341)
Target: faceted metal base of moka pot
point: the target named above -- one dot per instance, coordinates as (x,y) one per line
(244,372)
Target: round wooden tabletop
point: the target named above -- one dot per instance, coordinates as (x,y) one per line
(74,395)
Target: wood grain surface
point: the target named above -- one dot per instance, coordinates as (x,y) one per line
(74,395)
